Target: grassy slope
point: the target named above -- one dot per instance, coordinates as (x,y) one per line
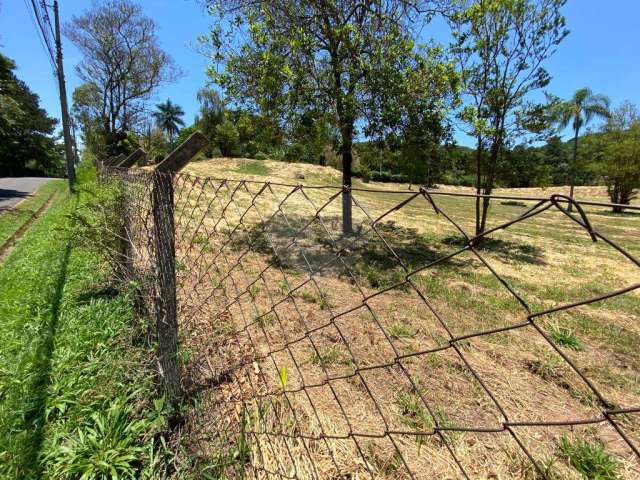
(13,219)
(75,394)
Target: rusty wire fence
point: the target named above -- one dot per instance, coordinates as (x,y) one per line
(389,353)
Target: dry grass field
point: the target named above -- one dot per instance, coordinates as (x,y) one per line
(399,352)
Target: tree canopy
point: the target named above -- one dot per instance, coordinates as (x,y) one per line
(501,47)
(122,66)
(27,143)
(295,57)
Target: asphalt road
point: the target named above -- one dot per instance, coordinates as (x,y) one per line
(12,190)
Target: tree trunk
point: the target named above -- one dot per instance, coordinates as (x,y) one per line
(478,182)
(487,188)
(572,173)
(347,160)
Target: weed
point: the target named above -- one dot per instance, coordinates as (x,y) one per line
(385,465)
(565,337)
(200,239)
(324,303)
(589,458)
(306,295)
(283,287)
(267,319)
(414,413)
(330,356)
(401,330)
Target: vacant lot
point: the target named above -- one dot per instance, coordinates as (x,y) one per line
(400,352)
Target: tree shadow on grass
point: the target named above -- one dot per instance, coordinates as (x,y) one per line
(626,214)
(507,250)
(372,258)
(104,292)
(34,417)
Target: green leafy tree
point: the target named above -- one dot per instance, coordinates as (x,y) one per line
(228,139)
(168,118)
(26,131)
(211,115)
(616,153)
(291,54)
(578,112)
(410,113)
(501,46)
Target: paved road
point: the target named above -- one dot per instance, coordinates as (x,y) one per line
(12,190)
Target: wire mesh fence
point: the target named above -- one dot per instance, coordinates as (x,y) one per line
(408,349)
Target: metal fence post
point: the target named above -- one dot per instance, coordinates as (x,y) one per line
(165,260)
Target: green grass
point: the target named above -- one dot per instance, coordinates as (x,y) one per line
(252,167)
(589,459)
(76,393)
(565,338)
(330,356)
(12,220)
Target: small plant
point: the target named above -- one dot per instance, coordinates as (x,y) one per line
(107,446)
(566,338)
(200,239)
(590,459)
(384,464)
(330,356)
(324,303)
(401,330)
(283,287)
(266,320)
(306,295)
(284,377)
(253,290)
(547,368)
(414,414)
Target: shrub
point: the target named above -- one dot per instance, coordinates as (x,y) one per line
(389,177)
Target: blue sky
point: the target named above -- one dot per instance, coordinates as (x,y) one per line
(601,52)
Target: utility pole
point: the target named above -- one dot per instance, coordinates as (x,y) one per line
(68,147)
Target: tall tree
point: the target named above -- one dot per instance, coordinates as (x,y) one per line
(210,116)
(292,54)
(122,61)
(168,118)
(578,112)
(501,46)
(26,131)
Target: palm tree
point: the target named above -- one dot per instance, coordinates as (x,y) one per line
(168,118)
(578,111)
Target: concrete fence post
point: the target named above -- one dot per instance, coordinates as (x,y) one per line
(165,260)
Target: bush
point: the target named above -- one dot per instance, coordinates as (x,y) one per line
(261,156)
(389,177)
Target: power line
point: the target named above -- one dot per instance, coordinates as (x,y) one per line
(41,20)
(45,40)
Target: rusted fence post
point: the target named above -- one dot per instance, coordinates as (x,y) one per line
(165,301)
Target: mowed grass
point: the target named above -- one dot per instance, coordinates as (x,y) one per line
(77,396)
(11,220)
(541,263)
